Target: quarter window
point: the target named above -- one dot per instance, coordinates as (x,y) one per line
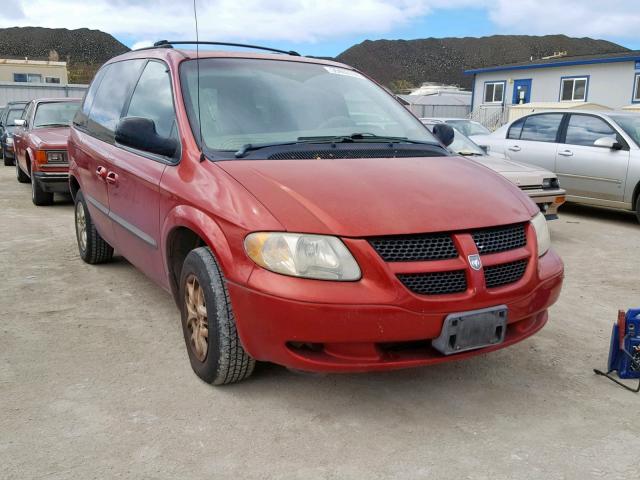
(541,128)
(113,91)
(585,130)
(494,92)
(153,99)
(574,89)
(515,129)
(636,88)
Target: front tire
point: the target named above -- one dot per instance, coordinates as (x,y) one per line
(38,196)
(208,323)
(20,175)
(93,249)
(638,208)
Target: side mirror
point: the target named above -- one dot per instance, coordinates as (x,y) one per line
(140,133)
(444,133)
(19,122)
(608,142)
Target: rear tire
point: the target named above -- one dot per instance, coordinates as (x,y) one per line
(93,249)
(208,324)
(20,175)
(38,196)
(638,208)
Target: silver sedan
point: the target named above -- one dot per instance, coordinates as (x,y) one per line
(596,155)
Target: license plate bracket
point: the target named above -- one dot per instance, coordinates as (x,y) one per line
(472,330)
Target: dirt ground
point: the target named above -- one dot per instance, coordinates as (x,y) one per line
(95,380)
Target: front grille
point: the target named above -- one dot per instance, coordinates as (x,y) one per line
(494,240)
(355,153)
(499,275)
(530,187)
(438,283)
(415,248)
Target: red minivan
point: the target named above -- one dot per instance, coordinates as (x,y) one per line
(300,215)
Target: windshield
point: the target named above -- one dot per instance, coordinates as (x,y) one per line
(630,124)
(469,128)
(464,146)
(55,114)
(253,101)
(14,114)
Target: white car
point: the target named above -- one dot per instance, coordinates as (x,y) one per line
(541,185)
(595,154)
(463,125)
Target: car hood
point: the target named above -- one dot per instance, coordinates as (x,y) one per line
(381,196)
(519,173)
(53,137)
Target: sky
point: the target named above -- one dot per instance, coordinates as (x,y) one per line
(328,27)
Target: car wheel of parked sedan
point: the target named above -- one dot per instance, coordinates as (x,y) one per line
(38,195)
(20,175)
(638,208)
(93,248)
(209,327)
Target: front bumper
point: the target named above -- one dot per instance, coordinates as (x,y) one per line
(350,337)
(53,182)
(548,201)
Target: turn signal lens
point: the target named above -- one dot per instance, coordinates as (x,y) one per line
(302,255)
(41,157)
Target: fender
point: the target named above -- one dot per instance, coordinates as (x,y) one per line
(29,158)
(210,232)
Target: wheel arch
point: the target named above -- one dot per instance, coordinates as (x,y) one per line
(186,228)
(74,186)
(635,197)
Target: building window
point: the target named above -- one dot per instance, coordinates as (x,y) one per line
(27,77)
(636,88)
(52,79)
(574,89)
(494,92)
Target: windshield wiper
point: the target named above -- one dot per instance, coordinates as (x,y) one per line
(470,154)
(354,137)
(246,148)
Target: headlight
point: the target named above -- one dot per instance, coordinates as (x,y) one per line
(550,184)
(301,255)
(55,157)
(539,224)
(9,140)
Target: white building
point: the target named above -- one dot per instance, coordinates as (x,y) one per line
(610,79)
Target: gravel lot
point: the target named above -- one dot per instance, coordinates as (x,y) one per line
(95,380)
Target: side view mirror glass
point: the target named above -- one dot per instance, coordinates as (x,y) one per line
(444,133)
(140,133)
(19,122)
(607,142)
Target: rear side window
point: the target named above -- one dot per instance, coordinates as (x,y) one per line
(585,129)
(541,128)
(516,129)
(152,98)
(113,92)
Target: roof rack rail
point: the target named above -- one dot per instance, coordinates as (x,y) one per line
(169,44)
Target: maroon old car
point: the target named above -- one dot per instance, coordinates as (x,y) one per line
(40,143)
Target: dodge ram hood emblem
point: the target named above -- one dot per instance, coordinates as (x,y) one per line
(475,262)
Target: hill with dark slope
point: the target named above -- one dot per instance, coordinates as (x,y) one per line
(445,59)
(84,50)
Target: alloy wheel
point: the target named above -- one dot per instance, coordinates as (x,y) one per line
(197,322)
(81,226)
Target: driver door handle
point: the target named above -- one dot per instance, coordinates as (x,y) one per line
(112,178)
(566,153)
(515,148)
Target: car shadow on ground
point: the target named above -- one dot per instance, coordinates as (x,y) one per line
(599,213)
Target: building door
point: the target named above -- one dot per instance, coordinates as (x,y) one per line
(521,91)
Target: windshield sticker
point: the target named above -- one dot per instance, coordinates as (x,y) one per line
(343,71)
